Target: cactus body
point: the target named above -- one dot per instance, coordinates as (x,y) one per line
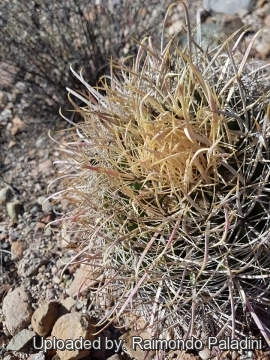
(170,174)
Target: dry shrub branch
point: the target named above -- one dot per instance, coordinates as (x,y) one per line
(42,38)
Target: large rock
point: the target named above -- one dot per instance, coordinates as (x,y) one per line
(20,340)
(17,310)
(72,327)
(44,318)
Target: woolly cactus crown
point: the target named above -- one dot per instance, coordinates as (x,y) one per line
(169,172)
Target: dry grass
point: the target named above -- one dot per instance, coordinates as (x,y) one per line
(42,38)
(170,176)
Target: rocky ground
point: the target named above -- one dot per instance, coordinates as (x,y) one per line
(38,292)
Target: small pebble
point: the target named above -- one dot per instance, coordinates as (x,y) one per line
(62,262)
(46,205)
(17,248)
(54,270)
(56,280)
(14,209)
(10,357)
(26,282)
(50,294)
(79,305)
(34,209)
(5,195)
(5,245)
(66,277)
(3,100)
(48,232)
(21,86)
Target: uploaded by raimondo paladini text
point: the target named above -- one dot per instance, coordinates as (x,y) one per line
(138,342)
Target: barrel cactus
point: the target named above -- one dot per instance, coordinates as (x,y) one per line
(169,173)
